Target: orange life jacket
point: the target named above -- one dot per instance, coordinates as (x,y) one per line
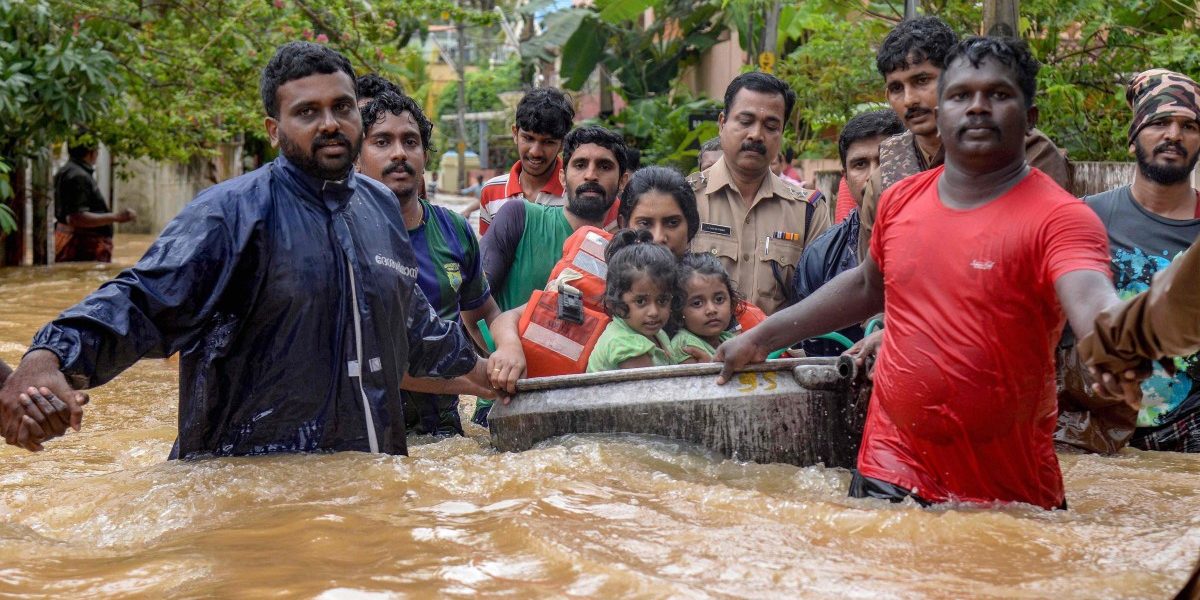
(751,315)
(555,346)
(583,254)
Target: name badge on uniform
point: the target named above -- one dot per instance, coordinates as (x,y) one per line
(717,229)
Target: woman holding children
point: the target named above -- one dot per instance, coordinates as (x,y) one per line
(659,202)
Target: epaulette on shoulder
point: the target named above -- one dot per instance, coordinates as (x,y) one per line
(795,192)
(698,181)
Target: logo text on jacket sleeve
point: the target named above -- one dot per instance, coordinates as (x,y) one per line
(392,263)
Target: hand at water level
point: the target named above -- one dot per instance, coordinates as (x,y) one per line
(737,353)
(47,408)
(1126,387)
(864,352)
(37,404)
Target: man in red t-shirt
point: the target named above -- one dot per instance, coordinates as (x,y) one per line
(978,260)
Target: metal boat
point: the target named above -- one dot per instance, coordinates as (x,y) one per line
(801,411)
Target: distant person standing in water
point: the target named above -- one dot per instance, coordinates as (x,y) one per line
(83,230)
(433,186)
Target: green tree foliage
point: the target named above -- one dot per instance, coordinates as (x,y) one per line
(8,221)
(646,58)
(190,68)
(660,128)
(1088,48)
(51,78)
(484,87)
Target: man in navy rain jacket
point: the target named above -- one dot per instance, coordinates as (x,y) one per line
(290,293)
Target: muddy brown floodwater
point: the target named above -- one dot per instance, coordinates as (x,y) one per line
(103,513)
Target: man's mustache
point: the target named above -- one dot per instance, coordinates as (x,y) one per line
(399,165)
(1176,146)
(915,111)
(328,140)
(758,147)
(977,124)
(590,186)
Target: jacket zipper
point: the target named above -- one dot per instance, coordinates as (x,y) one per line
(371,438)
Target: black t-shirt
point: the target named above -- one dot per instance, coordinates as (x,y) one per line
(75,191)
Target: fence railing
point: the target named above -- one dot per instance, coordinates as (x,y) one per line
(1090,177)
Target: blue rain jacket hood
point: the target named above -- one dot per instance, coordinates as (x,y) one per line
(257,284)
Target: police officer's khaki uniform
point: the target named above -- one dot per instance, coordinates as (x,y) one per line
(758,242)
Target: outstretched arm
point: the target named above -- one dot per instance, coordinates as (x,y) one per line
(1162,321)
(1083,295)
(87,219)
(152,309)
(849,298)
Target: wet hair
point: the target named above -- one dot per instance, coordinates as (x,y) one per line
(865,126)
(1010,52)
(921,39)
(297,60)
(703,263)
(374,112)
(632,254)
(594,134)
(765,83)
(667,181)
(545,111)
(372,85)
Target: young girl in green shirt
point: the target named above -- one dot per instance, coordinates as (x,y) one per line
(707,311)
(640,296)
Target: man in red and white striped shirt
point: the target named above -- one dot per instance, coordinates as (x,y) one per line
(544,116)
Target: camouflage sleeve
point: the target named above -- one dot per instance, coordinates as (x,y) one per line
(1040,152)
(866,212)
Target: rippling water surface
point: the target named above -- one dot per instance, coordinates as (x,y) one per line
(103,513)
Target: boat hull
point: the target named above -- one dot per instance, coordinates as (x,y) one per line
(797,411)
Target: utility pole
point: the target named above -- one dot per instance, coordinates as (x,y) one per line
(461,66)
(770,46)
(1000,18)
(910,9)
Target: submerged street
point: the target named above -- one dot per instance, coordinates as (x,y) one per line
(103,513)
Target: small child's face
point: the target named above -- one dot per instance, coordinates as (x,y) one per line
(706,306)
(649,306)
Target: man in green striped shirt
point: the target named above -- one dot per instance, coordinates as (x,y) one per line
(449,270)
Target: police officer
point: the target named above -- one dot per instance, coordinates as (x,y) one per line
(756,223)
